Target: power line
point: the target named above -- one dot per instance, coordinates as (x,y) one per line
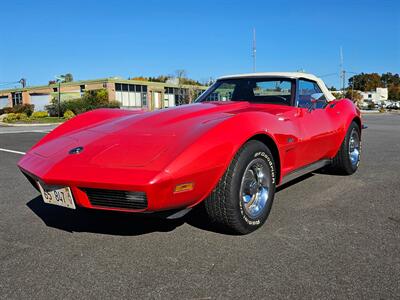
(327,75)
(8,83)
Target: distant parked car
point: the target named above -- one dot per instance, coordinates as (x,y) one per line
(246,135)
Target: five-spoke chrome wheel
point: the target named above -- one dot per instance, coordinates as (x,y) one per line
(254,189)
(354,147)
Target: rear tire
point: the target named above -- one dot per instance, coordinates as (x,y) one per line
(243,198)
(347,159)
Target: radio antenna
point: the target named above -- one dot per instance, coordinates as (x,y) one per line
(254,50)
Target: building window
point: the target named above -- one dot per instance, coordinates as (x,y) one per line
(16,98)
(55,90)
(131,95)
(82,87)
(176,96)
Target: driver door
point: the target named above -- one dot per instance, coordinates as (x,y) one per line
(316,125)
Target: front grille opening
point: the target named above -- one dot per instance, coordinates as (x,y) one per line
(116,198)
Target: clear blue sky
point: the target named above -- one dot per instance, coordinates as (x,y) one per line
(96,39)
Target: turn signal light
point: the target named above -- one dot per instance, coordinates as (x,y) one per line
(184,187)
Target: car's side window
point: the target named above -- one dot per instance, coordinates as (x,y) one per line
(222,93)
(309,90)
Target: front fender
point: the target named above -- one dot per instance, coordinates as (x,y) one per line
(205,160)
(349,113)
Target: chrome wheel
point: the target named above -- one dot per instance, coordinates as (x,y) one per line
(254,188)
(354,147)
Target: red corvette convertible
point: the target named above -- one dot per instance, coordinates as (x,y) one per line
(243,137)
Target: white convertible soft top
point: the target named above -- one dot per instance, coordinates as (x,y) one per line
(295,75)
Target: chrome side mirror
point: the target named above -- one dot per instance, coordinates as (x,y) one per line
(315,98)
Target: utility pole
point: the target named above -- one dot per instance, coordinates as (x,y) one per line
(254,50)
(342,71)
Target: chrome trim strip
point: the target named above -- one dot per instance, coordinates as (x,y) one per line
(305,170)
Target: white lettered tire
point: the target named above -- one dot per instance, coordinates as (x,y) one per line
(243,198)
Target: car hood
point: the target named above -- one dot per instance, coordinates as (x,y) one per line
(138,140)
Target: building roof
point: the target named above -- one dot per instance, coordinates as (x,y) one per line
(99,80)
(294,75)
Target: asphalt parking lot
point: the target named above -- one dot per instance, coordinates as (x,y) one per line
(327,237)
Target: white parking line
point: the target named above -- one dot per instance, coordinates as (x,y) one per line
(25,131)
(12,151)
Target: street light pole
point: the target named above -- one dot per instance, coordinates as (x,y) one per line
(59,98)
(59,79)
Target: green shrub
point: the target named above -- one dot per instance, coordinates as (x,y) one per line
(39,114)
(13,117)
(77,106)
(22,117)
(89,101)
(68,115)
(114,104)
(10,117)
(6,110)
(23,108)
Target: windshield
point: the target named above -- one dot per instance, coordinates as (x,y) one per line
(255,90)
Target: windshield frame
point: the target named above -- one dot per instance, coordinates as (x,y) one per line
(214,86)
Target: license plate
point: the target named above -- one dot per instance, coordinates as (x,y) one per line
(61,197)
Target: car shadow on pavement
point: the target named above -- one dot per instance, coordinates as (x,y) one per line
(97,221)
(125,224)
(294,182)
(116,223)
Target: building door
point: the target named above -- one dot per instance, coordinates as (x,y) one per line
(156,100)
(40,101)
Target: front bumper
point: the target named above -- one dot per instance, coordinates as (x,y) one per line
(158,187)
(90,185)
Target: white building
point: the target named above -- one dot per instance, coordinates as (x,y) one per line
(377,97)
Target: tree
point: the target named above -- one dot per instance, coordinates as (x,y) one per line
(394,92)
(337,95)
(389,79)
(68,77)
(355,96)
(369,82)
(364,82)
(392,82)
(180,74)
(140,78)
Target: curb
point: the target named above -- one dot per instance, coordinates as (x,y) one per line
(28,125)
(380,113)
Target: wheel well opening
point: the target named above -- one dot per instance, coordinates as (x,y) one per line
(269,142)
(358,122)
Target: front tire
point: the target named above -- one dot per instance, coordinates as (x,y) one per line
(347,159)
(242,200)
